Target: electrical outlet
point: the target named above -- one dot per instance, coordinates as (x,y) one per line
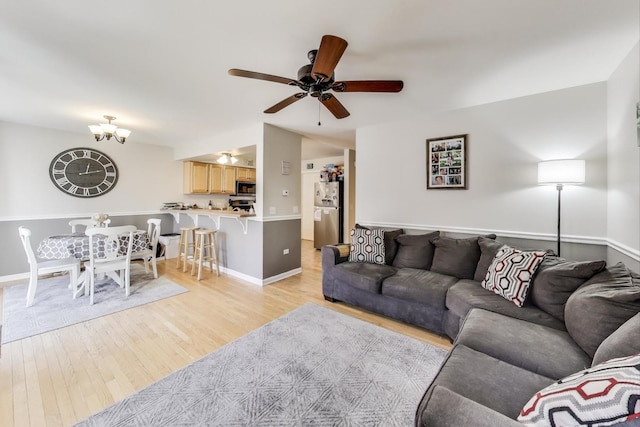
(295,209)
(272,210)
(285,251)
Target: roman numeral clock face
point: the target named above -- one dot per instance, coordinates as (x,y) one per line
(83,172)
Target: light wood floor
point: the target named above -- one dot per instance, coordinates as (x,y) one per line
(64,376)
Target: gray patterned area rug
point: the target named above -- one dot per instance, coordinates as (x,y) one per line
(312,366)
(54,307)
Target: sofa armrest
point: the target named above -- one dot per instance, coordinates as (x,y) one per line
(334,255)
(446,408)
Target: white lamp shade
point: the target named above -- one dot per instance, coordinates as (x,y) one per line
(108,128)
(224,159)
(234,160)
(123,133)
(571,172)
(96,129)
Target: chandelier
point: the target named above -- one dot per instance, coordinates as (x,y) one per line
(107,130)
(226,158)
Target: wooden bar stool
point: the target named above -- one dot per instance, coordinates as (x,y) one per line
(205,250)
(187,241)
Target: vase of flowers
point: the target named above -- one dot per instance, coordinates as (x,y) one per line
(100,218)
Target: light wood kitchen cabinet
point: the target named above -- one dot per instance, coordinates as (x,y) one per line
(196,178)
(209,178)
(222,179)
(246,174)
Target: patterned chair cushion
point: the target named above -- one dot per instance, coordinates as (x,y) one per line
(367,246)
(599,396)
(510,273)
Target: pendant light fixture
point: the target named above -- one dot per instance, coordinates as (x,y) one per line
(108,131)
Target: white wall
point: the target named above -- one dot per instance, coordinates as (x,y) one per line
(27,191)
(623,90)
(505,141)
(279,145)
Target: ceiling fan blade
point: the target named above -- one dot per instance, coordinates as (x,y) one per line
(329,53)
(261,76)
(368,86)
(333,105)
(285,102)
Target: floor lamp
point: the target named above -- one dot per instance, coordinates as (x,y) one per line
(561,173)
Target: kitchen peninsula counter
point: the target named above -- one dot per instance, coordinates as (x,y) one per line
(200,211)
(215,214)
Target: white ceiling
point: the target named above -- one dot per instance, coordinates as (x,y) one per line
(160,66)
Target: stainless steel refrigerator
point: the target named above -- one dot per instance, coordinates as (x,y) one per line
(328,213)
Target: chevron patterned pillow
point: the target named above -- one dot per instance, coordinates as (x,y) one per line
(510,273)
(602,395)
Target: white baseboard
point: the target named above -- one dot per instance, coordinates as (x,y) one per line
(261,282)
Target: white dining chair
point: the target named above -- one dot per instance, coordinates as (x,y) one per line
(110,253)
(87,223)
(39,267)
(149,255)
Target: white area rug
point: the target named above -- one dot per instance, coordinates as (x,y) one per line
(55,308)
(312,366)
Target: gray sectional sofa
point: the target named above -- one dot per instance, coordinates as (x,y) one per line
(576,315)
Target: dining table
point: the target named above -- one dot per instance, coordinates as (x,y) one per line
(76,245)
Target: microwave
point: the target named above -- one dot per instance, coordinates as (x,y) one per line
(245,188)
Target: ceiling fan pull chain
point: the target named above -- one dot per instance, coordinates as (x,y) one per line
(319,102)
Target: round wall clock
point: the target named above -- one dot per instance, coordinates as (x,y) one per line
(83,172)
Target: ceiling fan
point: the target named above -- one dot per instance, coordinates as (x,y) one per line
(317,78)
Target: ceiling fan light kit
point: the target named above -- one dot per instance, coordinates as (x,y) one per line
(318,77)
(109,130)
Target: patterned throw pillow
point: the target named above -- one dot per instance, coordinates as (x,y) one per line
(603,395)
(367,246)
(510,273)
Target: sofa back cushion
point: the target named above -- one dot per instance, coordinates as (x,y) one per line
(390,244)
(488,250)
(601,305)
(457,257)
(556,279)
(624,341)
(415,250)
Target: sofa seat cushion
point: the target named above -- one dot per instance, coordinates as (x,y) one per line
(488,381)
(536,348)
(364,276)
(417,285)
(468,294)
(444,408)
